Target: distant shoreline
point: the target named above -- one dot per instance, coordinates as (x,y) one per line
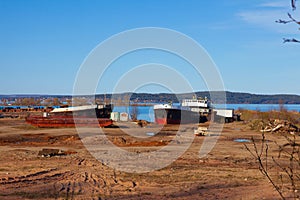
(149,98)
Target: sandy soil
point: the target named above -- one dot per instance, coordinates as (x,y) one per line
(227,172)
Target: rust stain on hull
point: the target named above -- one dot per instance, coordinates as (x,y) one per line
(58,121)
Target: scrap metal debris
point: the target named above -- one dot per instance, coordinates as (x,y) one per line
(54,152)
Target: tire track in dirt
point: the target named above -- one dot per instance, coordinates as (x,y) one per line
(42,175)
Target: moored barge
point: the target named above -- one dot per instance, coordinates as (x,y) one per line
(189,111)
(79,116)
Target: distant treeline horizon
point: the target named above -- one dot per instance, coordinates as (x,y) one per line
(231,97)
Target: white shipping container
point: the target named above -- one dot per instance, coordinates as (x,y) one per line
(115,116)
(224,112)
(123,117)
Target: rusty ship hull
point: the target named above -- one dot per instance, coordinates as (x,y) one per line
(81,116)
(68,121)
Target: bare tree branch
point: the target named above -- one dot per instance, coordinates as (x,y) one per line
(263,168)
(293,4)
(283,21)
(288,21)
(290,40)
(293,19)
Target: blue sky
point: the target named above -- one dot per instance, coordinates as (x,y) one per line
(43,43)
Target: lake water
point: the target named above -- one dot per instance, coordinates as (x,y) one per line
(144,112)
(264,107)
(147,113)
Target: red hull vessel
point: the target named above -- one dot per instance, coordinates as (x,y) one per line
(190,111)
(177,116)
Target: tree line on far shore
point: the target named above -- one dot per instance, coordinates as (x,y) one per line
(148,98)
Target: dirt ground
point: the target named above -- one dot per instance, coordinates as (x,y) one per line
(227,172)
